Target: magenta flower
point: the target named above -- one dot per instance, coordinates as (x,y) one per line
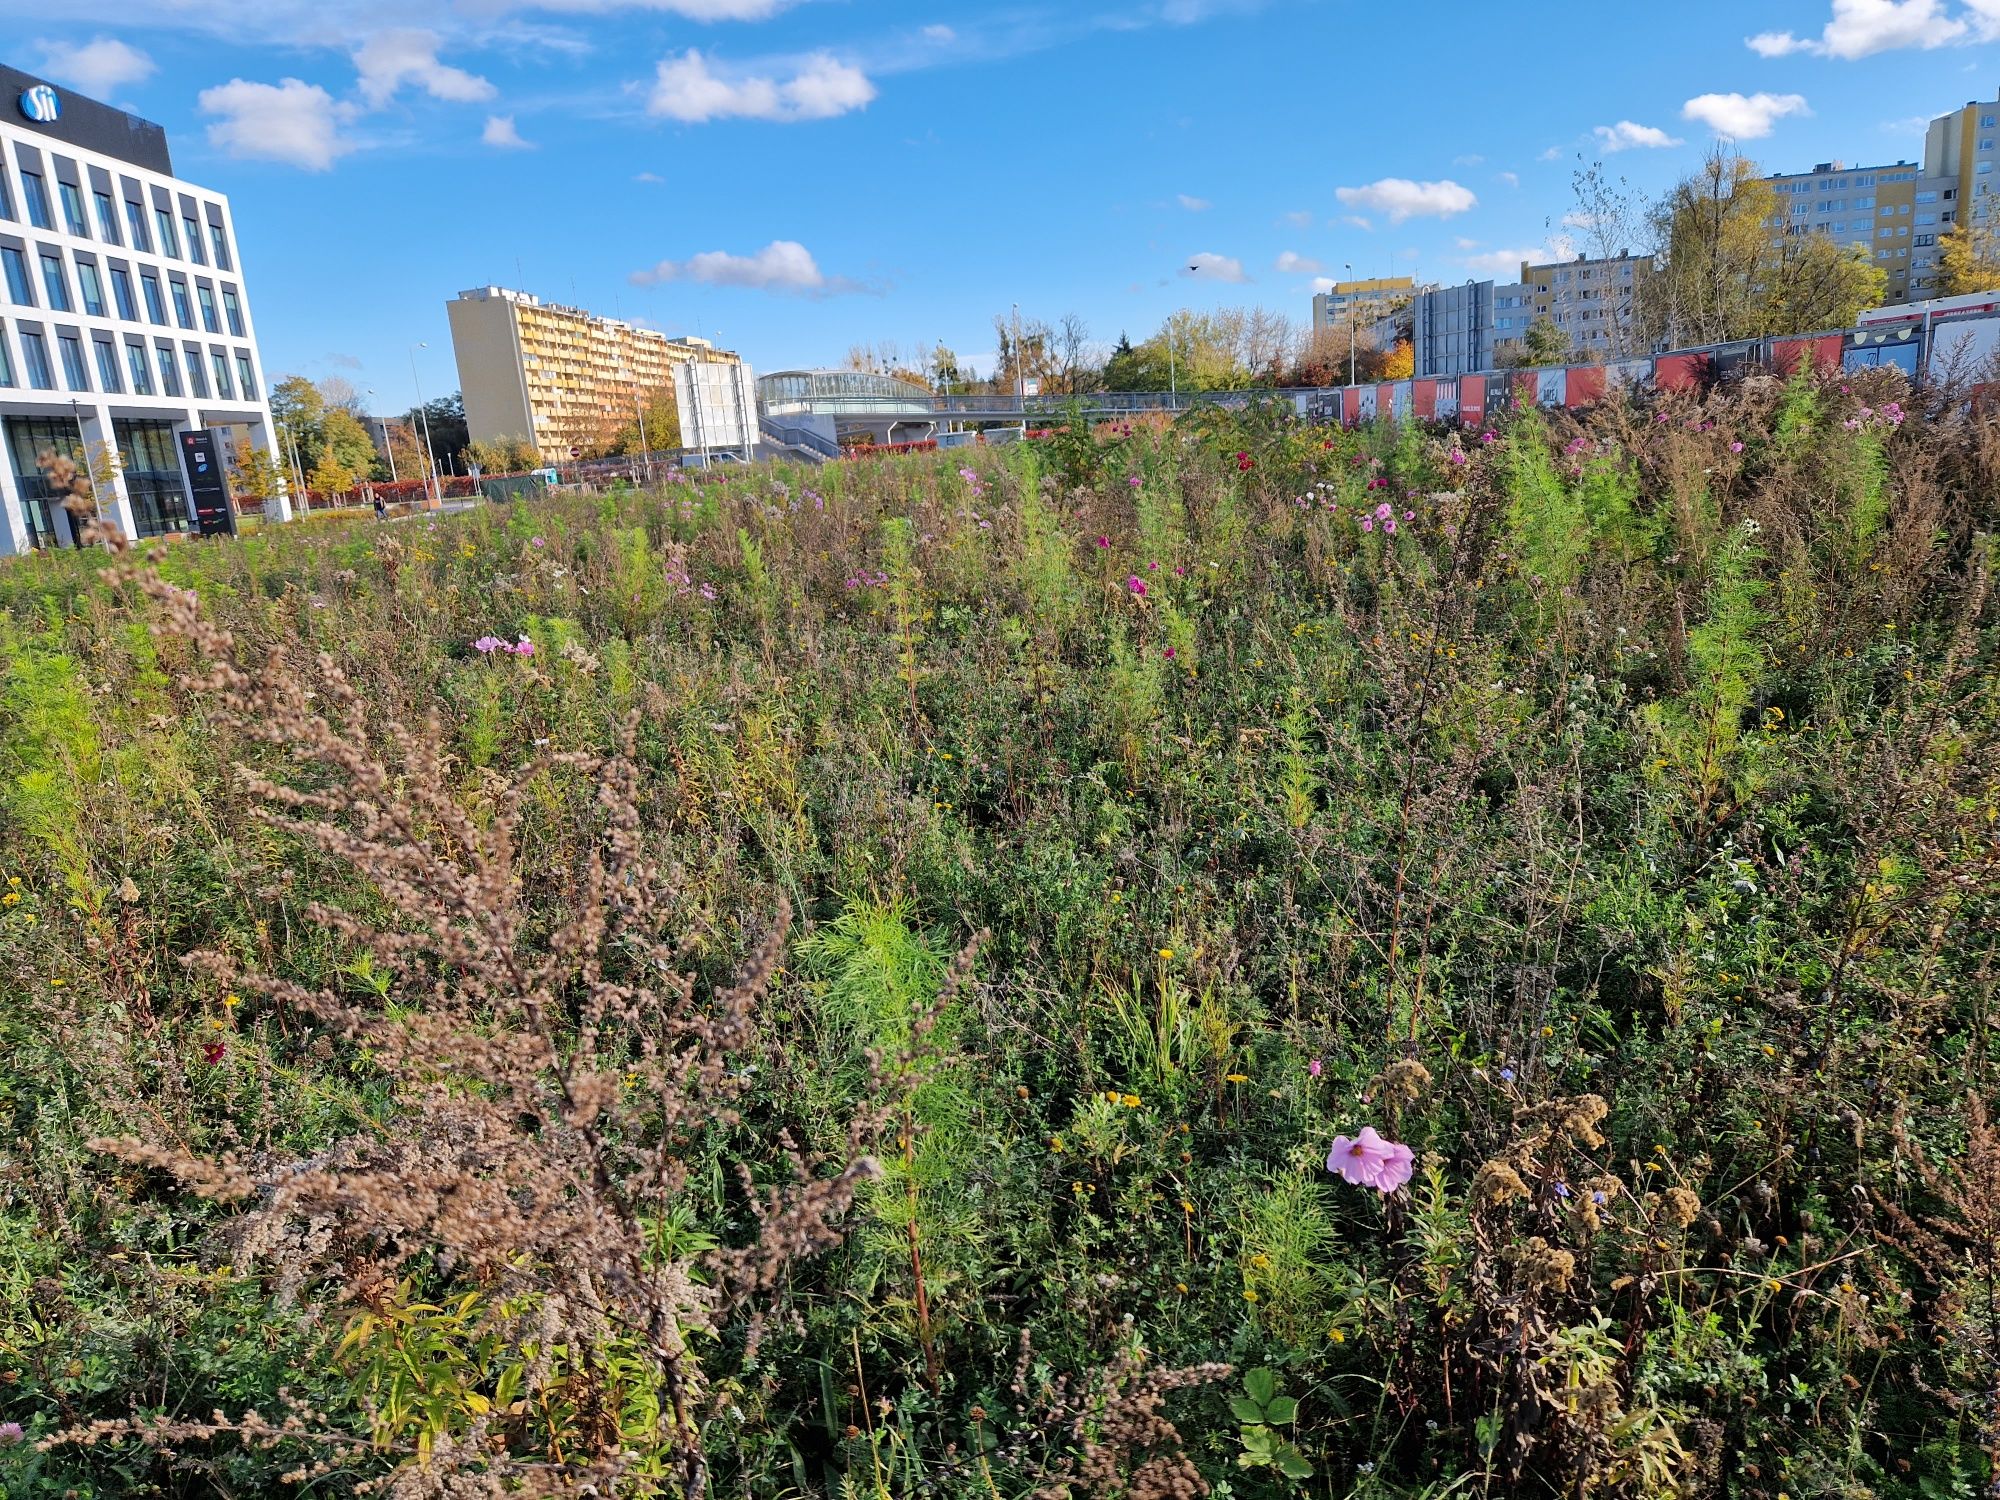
(1409,515)
(486,645)
(1457,457)
(1735,447)
(1390,526)
(1384,511)
(1313,1067)
(1104,541)
(1489,437)
(1369,1161)
(1137,585)
(524,647)
(1134,481)
(1169,653)
(1367,523)
(10,1434)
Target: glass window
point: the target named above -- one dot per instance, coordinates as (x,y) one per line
(74,373)
(170,378)
(1986,122)
(1927,197)
(135,361)
(107,367)
(6,202)
(121,291)
(197,381)
(6,362)
(156,307)
(1985,166)
(55,283)
(164,222)
(37,193)
(219,362)
(183,309)
(209,319)
(92,286)
(246,377)
(107,218)
(232,309)
(220,241)
(35,353)
(192,231)
(135,219)
(72,201)
(18,286)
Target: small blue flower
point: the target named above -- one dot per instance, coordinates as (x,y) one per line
(1506,1075)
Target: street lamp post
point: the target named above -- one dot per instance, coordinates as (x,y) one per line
(1173,371)
(1349,269)
(424,420)
(1020,379)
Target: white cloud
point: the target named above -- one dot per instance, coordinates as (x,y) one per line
(1554,153)
(1908,125)
(99,66)
(1465,244)
(1578,218)
(1322,285)
(1298,218)
(1743,117)
(390,59)
(1192,204)
(1400,198)
(781,266)
(1290,264)
(1509,179)
(1358,222)
(1507,263)
(1626,135)
(293,122)
(1861,28)
(500,132)
(1473,160)
(654,177)
(942,36)
(821,89)
(1212,267)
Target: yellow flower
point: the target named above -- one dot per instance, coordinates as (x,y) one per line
(1180,1286)
(232,1001)
(10,898)
(1548,1031)
(1056,1145)
(1236,1078)
(1248,1295)
(1260,1260)
(1336,1335)
(1076,1187)
(12,881)
(1113,1095)
(1130,1101)
(1166,953)
(1186,1206)
(1652,1166)
(1776,1286)
(57,983)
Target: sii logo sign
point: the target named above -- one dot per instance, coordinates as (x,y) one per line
(42,104)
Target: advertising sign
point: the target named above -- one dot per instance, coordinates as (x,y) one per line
(213,515)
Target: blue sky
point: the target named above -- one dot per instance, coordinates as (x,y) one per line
(795,176)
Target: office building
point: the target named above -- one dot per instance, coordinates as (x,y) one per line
(124,320)
(1897,210)
(1361,302)
(566,380)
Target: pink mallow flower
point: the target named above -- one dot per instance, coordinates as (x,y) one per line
(1313,1067)
(524,647)
(1369,1161)
(1137,585)
(486,645)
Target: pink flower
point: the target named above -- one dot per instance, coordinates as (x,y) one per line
(1367,523)
(535,541)
(1735,447)
(1134,481)
(1369,1161)
(1457,457)
(1489,437)
(1169,653)
(1409,515)
(1137,585)
(1390,526)
(525,647)
(486,645)
(1313,1067)
(1384,511)
(1104,541)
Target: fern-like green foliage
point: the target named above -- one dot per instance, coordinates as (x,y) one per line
(1798,411)
(1549,525)
(1700,731)
(1044,570)
(51,757)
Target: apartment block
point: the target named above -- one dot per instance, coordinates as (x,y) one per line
(125,325)
(1960,146)
(1897,210)
(1593,301)
(566,379)
(1361,302)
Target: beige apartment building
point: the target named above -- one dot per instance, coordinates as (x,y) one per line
(1362,302)
(1593,300)
(566,379)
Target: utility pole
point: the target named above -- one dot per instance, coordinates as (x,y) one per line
(383,423)
(1020,382)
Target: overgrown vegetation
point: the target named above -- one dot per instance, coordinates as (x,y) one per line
(483,1015)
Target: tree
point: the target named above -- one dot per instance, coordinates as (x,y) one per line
(332,477)
(445,419)
(1544,343)
(299,410)
(1400,363)
(340,395)
(1969,260)
(1813,284)
(256,475)
(1716,227)
(662,428)
(346,441)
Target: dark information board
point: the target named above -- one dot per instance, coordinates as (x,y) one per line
(210,492)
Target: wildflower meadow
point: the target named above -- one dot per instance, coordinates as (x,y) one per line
(1232,958)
